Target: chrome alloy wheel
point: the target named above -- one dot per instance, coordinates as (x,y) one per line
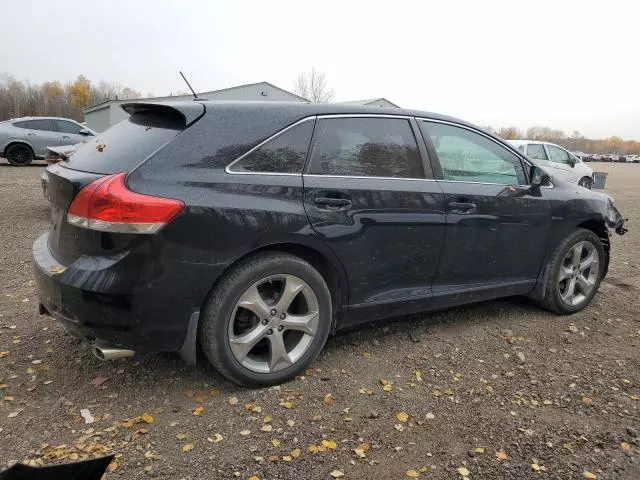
(579,273)
(273,323)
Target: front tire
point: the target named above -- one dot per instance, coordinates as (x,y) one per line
(585,182)
(574,272)
(266,320)
(19,155)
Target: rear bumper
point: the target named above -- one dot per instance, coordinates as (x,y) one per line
(116,300)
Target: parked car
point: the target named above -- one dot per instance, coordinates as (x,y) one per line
(632,158)
(560,162)
(23,140)
(257,228)
(596,157)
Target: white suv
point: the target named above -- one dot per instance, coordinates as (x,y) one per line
(559,162)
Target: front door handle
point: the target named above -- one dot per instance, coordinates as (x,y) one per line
(462,208)
(332,203)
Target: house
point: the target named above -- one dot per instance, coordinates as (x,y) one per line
(103,115)
(374,102)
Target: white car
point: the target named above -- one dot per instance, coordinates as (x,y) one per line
(559,161)
(632,158)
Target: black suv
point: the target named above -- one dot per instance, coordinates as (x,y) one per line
(257,228)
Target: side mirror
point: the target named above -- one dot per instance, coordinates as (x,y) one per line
(539,178)
(572,162)
(85,131)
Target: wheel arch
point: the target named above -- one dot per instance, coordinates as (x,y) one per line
(19,142)
(599,228)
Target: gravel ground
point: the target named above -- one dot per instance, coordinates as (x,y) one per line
(496,390)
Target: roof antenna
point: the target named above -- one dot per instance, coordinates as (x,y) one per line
(195,95)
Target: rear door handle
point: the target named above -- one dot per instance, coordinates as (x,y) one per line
(462,208)
(332,203)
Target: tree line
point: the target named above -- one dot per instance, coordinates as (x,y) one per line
(574,142)
(54,99)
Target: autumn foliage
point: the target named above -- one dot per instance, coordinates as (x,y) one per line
(22,99)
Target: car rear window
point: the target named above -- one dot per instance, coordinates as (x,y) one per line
(125,145)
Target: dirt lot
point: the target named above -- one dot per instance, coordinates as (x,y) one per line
(501,389)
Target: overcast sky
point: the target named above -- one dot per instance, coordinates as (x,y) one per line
(563,64)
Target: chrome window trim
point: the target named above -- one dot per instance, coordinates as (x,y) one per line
(483,183)
(363,177)
(228,170)
(364,115)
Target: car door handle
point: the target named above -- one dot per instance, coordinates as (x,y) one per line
(332,203)
(462,208)
(65,136)
(31,134)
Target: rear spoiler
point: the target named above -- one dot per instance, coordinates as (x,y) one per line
(188,112)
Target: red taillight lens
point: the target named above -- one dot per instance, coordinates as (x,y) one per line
(107,205)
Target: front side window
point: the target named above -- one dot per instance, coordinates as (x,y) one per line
(68,127)
(285,153)
(536,150)
(366,147)
(470,157)
(558,155)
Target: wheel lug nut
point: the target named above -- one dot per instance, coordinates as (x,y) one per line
(265,321)
(269,332)
(280,328)
(273,311)
(282,316)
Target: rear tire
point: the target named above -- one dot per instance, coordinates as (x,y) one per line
(573,274)
(266,320)
(19,155)
(585,182)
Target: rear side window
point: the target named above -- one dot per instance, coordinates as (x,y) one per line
(366,147)
(536,150)
(285,153)
(126,144)
(24,124)
(42,125)
(68,127)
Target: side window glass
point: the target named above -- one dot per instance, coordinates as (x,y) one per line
(366,147)
(43,125)
(285,153)
(558,155)
(536,150)
(470,157)
(21,124)
(68,127)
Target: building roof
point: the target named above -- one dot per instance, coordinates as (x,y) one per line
(101,105)
(368,101)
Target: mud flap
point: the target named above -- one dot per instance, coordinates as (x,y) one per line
(189,347)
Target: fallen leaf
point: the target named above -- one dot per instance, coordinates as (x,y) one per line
(266,428)
(364,391)
(274,458)
(412,473)
(359,452)
(463,471)
(402,416)
(423,469)
(113,466)
(188,447)
(296,453)
(587,399)
(479,450)
(198,411)
(291,423)
(233,400)
(14,414)
(146,417)
(329,444)
(308,372)
(244,433)
(217,438)
(329,400)
(286,458)
(288,405)
(254,477)
(267,419)
(337,474)
(430,416)
(502,455)
(96,382)
(387,388)
(251,407)
(587,474)
(535,467)
(181,436)
(3,354)
(86,414)
(625,446)
(312,448)
(7,398)
(275,442)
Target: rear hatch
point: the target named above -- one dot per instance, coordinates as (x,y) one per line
(97,162)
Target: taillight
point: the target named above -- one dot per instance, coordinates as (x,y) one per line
(107,205)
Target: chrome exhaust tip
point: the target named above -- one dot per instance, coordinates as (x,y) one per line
(108,352)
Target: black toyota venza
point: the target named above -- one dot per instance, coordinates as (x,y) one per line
(256,229)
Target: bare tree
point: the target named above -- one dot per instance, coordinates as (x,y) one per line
(313,86)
